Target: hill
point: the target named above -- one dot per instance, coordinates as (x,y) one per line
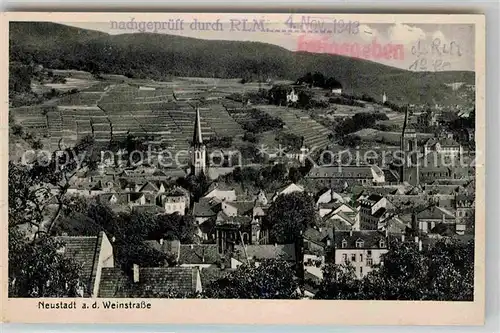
(160,56)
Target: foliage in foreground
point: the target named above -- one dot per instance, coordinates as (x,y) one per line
(443,273)
(37,269)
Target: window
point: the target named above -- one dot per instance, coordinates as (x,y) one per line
(344,257)
(361,271)
(353,257)
(369,253)
(359,243)
(361,257)
(344,243)
(369,262)
(382,243)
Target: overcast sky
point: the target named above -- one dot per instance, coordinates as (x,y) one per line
(457,39)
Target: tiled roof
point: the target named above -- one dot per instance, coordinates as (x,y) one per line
(199,254)
(149,186)
(444,142)
(435,213)
(315,235)
(153,282)
(371,239)
(346,217)
(135,196)
(243,207)
(259,252)
(338,224)
(396,226)
(84,250)
(204,208)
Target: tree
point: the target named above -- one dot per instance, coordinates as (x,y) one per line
(305,98)
(451,272)
(37,269)
(278,171)
(318,80)
(294,175)
(444,272)
(271,279)
(250,137)
(401,275)
(290,140)
(339,282)
(196,185)
(174,227)
(290,215)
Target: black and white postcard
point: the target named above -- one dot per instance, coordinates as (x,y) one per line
(243,168)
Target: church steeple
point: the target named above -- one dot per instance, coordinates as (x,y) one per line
(197,138)
(198,153)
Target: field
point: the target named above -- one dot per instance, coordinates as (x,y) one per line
(163,112)
(390,138)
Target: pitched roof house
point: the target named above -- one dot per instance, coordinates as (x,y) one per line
(258,253)
(149,282)
(94,253)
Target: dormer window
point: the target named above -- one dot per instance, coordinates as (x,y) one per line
(382,243)
(344,243)
(360,243)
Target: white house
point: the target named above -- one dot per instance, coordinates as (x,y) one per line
(361,249)
(292,96)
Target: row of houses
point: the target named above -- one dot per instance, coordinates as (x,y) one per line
(195,266)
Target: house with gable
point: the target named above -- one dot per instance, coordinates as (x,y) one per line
(373,209)
(93,253)
(328,196)
(446,146)
(361,249)
(342,177)
(341,220)
(428,218)
(176,200)
(219,194)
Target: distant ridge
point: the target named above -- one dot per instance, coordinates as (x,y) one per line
(160,56)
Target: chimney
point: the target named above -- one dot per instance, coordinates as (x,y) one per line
(135,269)
(420,245)
(161,241)
(416,239)
(403,238)
(275,245)
(350,232)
